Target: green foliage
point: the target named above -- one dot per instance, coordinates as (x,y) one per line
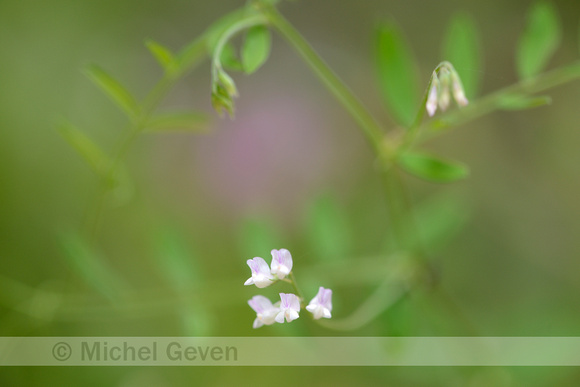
(327,229)
(90,266)
(114,90)
(522,102)
(432,168)
(462,47)
(178,121)
(86,148)
(396,73)
(256,48)
(539,40)
(229,59)
(163,55)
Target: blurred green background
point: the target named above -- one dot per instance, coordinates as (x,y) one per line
(293,171)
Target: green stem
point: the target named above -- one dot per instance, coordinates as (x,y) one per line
(413,131)
(396,199)
(374,134)
(494,101)
(236,28)
(372,129)
(149,105)
(296,288)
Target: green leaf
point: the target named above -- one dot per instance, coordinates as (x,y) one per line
(539,40)
(229,59)
(90,266)
(396,73)
(432,168)
(256,48)
(163,55)
(521,102)
(462,48)
(327,229)
(178,121)
(114,90)
(91,152)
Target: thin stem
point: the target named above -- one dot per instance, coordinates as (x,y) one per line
(236,28)
(149,105)
(372,129)
(413,131)
(376,136)
(384,297)
(495,101)
(296,288)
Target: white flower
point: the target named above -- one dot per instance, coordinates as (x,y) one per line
(445,78)
(289,307)
(321,305)
(444,95)
(433,94)
(266,312)
(281,263)
(261,276)
(458,92)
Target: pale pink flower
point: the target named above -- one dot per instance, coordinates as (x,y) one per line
(321,305)
(281,263)
(289,307)
(261,276)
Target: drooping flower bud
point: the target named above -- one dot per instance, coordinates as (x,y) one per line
(433,94)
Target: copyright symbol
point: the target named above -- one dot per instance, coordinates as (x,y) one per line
(61,351)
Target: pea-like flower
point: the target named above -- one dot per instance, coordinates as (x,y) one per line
(321,305)
(458,92)
(281,263)
(433,95)
(261,276)
(444,82)
(266,312)
(289,307)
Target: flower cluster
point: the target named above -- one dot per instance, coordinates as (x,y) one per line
(444,77)
(288,308)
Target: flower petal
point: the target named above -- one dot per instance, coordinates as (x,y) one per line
(257,323)
(291,315)
(279,317)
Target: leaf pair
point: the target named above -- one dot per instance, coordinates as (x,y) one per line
(254,52)
(397,68)
(187,120)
